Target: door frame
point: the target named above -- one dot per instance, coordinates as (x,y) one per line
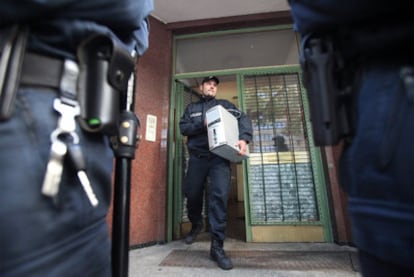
(174,197)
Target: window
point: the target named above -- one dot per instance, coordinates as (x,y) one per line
(239,50)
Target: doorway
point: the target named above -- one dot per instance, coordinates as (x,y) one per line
(279,193)
(187,91)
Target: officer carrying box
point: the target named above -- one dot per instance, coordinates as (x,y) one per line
(203,164)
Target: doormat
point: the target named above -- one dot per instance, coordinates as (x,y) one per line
(277,260)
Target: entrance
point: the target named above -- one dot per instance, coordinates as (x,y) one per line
(279,193)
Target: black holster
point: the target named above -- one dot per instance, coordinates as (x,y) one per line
(331,64)
(329,85)
(105,69)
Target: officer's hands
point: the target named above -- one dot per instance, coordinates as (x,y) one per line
(242,145)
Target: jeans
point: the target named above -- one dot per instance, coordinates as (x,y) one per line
(377,168)
(41,236)
(218,170)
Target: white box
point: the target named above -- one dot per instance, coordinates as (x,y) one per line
(223,134)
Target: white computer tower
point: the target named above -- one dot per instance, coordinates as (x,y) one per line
(223,134)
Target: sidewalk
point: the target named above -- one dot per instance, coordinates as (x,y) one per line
(296,259)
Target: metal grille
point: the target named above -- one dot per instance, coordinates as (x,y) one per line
(281,184)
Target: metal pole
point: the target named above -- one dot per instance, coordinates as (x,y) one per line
(120,223)
(124,149)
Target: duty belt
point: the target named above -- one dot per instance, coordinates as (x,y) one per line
(43,71)
(202,155)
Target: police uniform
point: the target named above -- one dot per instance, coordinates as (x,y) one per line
(376,166)
(64,235)
(203,164)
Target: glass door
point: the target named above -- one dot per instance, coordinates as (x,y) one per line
(286,200)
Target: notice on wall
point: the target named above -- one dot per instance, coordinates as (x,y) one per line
(151,130)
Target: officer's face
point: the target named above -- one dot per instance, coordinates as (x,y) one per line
(209,88)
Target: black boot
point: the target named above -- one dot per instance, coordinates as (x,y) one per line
(195,230)
(218,255)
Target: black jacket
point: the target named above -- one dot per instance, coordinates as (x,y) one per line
(57,27)
(192,123)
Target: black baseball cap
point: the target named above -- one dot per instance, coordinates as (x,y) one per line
(209,78)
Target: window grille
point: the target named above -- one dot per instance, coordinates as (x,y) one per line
(280,179)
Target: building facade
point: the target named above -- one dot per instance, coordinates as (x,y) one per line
(287,191)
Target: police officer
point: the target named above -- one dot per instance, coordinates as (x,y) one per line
(67,234)
(203,164)
(377,39)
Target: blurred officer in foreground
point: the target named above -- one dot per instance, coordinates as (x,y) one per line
(357,59)
(203,164)
(55,175)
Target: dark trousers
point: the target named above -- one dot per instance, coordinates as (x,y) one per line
(218,170)
(374,267)
(377,168)
(41,236)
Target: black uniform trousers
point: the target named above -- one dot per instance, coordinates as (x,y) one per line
(218,170)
